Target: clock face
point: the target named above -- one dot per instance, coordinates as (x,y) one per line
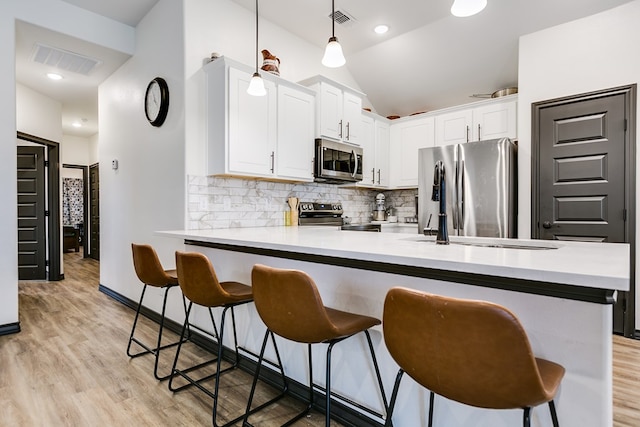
(157,101)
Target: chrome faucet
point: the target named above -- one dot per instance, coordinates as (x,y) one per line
(440,194)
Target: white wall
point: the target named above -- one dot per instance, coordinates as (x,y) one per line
(147,192)
(225,27)
(93,149)
(589,54)
(37,114)
(75,150)
(65,18)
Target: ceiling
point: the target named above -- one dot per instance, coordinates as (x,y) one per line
(427,60)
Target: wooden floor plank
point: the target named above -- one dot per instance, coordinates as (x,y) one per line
(69,366)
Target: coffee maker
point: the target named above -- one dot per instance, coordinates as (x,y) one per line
(380,211)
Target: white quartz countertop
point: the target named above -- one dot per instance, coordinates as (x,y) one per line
(591,265)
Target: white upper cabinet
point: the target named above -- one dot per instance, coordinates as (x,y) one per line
(268,137)
(339,110)
(252,127)
(407,137)
(295,134)
(374,140)
(493,119)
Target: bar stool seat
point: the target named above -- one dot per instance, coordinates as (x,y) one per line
(473,352)
(151,273)
(290,305)
(200,285)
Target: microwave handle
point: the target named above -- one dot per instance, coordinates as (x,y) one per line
(355,161)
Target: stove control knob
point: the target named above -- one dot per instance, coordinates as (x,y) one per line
(339,207)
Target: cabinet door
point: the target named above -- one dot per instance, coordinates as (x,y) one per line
(368,144)
(454,128)
(408,137)
(252,127)
(495,121)
(352,118)
(294,153)
(382,154)
(331,124)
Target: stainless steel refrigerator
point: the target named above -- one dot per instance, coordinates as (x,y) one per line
(480,186)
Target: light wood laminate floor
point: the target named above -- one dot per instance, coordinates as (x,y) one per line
(68,366)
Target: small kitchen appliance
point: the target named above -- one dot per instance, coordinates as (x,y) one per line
(380,211)
(337,162)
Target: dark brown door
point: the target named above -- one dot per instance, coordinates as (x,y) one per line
(94,211)
(583,173)
(32,249)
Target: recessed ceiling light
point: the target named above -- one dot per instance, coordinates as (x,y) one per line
(76,124)
(381,29)
(54,76)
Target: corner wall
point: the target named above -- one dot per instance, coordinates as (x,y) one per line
(589,54)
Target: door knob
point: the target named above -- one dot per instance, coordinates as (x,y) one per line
(546,224)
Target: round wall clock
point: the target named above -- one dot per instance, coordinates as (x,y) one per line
(156,101)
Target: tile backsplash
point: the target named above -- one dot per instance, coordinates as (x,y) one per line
(215,202)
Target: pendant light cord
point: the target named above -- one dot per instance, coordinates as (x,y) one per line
(333,18)
(256,36)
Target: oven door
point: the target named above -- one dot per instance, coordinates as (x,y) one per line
(337,161)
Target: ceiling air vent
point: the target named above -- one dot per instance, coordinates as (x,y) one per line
(64,59)
(342,17)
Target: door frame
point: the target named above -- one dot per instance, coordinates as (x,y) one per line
(629,91)
(89,230)
(53,203)
(85,201)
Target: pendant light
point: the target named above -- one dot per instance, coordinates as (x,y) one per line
(333,56)
(256,85)
(464,8)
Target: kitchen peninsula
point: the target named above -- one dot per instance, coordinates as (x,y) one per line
(561,291)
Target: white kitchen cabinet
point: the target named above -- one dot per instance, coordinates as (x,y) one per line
(407,137)
(339,110)
(295,134)
(487,120)
(268,137)
(374,141)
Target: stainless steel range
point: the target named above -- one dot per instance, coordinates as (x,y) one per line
(320,213)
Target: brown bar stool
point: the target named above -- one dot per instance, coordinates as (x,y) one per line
(290,305)
(200,286)
(150,272)
(473,352)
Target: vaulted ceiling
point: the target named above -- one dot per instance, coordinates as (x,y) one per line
(427,60)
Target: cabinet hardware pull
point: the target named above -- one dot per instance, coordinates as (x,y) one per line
(272,161)
(340,133)
(348,132)
(467,133)
(378,176)
(373,175)
(479,139)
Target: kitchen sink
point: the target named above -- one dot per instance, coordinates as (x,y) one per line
(480,243)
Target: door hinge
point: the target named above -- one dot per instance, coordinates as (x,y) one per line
(624,214)
(625,125)
(46,213)
(46,163)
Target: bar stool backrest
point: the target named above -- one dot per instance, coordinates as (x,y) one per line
(474,352)
(148,267)
(198,280)
(290,305)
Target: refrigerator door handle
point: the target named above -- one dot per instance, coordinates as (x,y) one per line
(454,207)
(461,197)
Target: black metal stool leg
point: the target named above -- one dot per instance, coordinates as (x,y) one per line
(327,421)
(377,369)
(394,395)
(135,323)
(175,360)
(554,415)
(431,402)
(526,417)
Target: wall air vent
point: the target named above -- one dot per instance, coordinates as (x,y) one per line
(342,17)
(64,59)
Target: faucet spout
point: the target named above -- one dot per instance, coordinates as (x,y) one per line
(439,194)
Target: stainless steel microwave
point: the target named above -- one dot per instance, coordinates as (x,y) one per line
(337,162)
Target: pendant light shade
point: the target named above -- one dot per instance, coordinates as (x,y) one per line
(333,56)
(464,8)
(256,85)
